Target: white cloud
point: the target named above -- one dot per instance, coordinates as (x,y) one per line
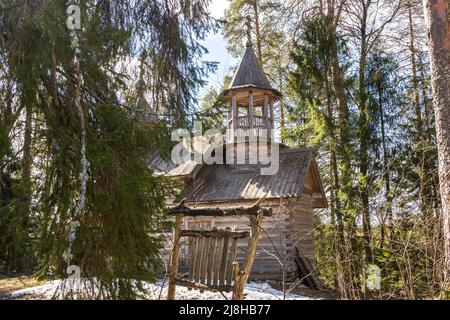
(217,8)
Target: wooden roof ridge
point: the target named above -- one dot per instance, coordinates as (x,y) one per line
(299,149)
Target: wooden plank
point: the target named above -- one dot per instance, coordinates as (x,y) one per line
(232,256)
(223,261)
(306,271)
(198,263)
(195,259)
(201,286)
(211,261)
(215,233)
(217,261)
(192,250)
(205,258)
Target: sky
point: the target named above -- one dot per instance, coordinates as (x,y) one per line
(216,46)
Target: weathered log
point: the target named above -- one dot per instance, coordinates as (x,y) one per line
(211,261)
(217,261)
(201,286)
(229,276)
(223,262)
(192,255)
(215,233)
(220,212)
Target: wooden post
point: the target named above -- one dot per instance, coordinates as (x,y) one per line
(272,118)
(244,273)
(250,110)
(234,112)
(173,270)
(265,111)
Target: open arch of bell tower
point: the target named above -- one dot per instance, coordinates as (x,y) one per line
(250,97)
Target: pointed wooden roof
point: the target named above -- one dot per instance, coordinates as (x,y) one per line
(144,110)
(249,72)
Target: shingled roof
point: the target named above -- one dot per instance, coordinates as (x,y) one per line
(158,164)
(250,74)
(218,182)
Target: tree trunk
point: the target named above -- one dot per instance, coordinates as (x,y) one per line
(242,275)
(26,160)
(363,139)
(174,258)
(438,28)
(343,162)
(415,79)
(386,176)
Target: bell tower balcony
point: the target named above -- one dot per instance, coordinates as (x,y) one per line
(250,109)
(250,97)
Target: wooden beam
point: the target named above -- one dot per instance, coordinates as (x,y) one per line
(272,116)
(215,233)
(220,212)
(266,111)
(234,112)
(223,261)
(250,110)
(201,286)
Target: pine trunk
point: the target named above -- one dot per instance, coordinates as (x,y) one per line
(26,160)
(363,138)
(439,47)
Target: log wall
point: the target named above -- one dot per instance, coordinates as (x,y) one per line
(291,226)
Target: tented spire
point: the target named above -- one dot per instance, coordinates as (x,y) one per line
(145,112)
(249,72)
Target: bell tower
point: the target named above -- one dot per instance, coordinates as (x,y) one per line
(144,111)
(250,96)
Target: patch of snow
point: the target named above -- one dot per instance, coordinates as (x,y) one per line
(158,290)
(46,290)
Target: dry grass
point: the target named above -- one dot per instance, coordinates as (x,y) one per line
(11,284)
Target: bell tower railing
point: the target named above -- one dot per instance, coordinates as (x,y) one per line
(249,121)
